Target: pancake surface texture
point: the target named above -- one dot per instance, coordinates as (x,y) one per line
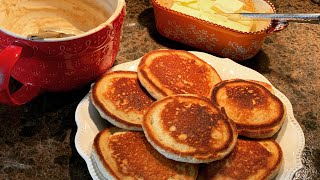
(128,155)
(249,160)
(255,110)
(189,128)
(120,98)
(169,72)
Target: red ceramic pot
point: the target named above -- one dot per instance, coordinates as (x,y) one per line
(58,64)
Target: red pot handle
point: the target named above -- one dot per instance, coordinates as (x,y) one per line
(8,58)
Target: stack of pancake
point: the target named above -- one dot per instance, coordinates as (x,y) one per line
(175,118)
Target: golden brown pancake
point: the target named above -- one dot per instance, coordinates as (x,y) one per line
(189,128)
(120,99)
(255,110)
(264,84)
(123,154)
(249,160)
(168,72)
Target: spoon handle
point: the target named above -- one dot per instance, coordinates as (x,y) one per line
(300,17)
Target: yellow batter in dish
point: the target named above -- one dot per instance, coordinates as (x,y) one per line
(25,17)
(215,11)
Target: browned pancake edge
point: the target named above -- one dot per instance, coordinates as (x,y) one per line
(158,90)
(247,158)
(266,129)
(148,164)
(210,156)
(110,115)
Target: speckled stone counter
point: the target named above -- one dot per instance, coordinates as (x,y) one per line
(37,139)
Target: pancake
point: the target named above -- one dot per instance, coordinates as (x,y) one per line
(169,72)
(120,99)
(122,154)
(249,160)
(256,111)
(266,85)
(189,128)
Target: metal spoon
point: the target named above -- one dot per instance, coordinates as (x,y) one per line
(298,18)
(41,35)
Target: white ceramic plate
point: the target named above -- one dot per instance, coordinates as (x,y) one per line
(290,137)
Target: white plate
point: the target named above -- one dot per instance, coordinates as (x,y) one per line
(290,137)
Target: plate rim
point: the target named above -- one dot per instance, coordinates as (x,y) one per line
(288,173)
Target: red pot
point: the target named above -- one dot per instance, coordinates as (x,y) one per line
(58,64)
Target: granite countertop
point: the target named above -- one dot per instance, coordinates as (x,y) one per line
(37,139)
